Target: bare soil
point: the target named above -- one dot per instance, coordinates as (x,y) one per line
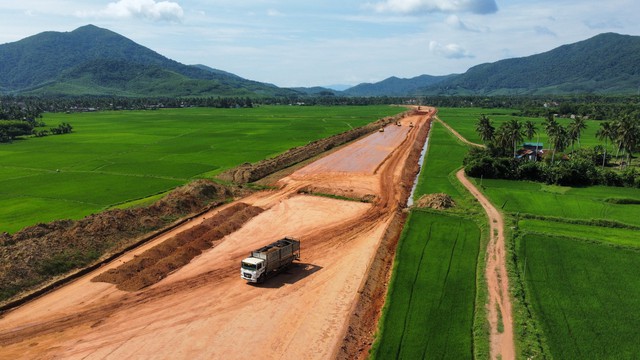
(325,306)
(499,307)
(437,201)
(28,257)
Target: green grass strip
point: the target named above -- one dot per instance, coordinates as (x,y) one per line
(429,311)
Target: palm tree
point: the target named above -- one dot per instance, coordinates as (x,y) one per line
(551,127)
(628,135)
(606,133)
(515,133)
(502,138)
(575,128)
(485,129)
(530,129)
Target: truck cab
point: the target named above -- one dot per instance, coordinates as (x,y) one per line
(269,260)
(252,269)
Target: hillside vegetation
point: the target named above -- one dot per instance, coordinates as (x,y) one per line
(95,61)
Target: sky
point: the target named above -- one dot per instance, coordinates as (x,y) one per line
(293,43)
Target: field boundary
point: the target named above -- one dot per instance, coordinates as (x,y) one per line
(247,173)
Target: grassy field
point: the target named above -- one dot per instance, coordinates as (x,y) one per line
(444,156)
(429,309)
(586,296)
(464,121)
(117,157)
(564,202)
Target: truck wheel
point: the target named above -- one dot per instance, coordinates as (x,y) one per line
(261,279)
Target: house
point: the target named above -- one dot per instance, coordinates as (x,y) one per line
(531,151)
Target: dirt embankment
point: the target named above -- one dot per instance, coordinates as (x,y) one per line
(247,173)
(156,263)
(37,254)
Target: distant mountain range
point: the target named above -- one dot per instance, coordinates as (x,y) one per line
(605,64)
(95,61)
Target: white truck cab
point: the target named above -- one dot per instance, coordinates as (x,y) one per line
(252,268)
(270,259)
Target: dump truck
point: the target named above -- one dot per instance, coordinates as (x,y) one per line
(270,260)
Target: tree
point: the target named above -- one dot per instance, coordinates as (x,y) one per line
(551,127)
(575,128)
(628,135)
(530,129)
(606,133)
(485,129)
(515,133)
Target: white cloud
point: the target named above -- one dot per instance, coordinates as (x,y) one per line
(447,6)
(273,12)
(146,9)
(543,30)
(455,22)
(449,51)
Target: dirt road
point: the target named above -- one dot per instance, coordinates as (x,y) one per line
(499,310)
(457,134)
(205,311)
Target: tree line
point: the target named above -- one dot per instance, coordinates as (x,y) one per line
(563,163)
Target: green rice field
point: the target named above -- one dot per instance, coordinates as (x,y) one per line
(464,120)
(585,295)
(118,157)
(444,157)
(429,310)
(565,202)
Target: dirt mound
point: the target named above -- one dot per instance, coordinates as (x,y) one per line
(156,263)
(38,253)
(437,201)
(246,173)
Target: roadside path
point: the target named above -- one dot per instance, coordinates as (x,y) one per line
(457,134)
(499,309)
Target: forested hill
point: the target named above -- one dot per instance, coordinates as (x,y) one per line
(95,61)
(607,64)
(395,86)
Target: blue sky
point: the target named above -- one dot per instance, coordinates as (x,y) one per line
(303,43)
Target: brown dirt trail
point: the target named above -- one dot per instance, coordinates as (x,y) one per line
(499,308)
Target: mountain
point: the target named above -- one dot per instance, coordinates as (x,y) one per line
(604,64)
(95,61)
(394,86)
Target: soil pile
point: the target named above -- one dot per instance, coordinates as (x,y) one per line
(156,263)
(438,201)
(247,172)
(38,253)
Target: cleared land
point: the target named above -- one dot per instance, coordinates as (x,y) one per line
(204,310)
(114,158)
(430,306)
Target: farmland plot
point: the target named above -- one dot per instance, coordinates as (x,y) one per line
(444,156)
(585,295)
(429,310)
(564,202)
(116,157)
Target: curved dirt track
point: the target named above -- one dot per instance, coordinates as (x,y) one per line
(457,134)
(499,307)
(502,345)
(205,311)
